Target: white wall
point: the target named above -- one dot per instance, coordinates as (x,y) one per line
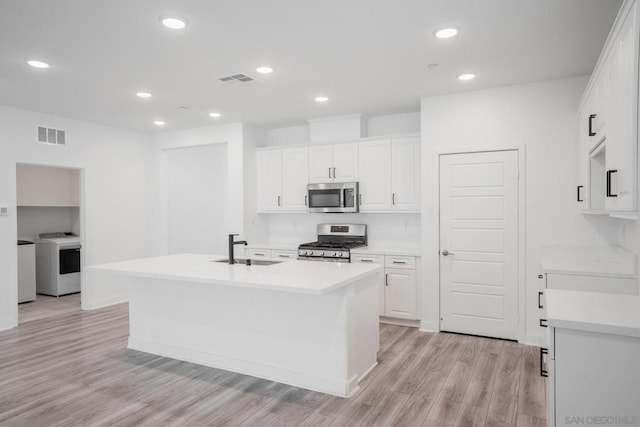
(232,135)
(389,124)
(382,229)
(115,164)
(198,200)
(542,117)
(34,220)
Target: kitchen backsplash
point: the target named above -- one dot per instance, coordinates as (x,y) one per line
(383,229)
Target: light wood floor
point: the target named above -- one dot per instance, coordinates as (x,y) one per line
(45,306)
(74,370)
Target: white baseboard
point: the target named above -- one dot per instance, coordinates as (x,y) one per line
(399,322)
(7,324)
(305,380)
(105,302)
(428,326)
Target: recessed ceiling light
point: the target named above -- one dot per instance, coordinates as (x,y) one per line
(159,122)
(215,115)
(173,22)
(38,64)
(264,70)
(468,76)
(446,32)
(321,99)
(143,94)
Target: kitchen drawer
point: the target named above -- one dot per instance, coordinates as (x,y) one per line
(284,254)
(258,253)
(375,259)
(407,262)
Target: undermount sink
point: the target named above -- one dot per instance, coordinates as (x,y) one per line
(253,261)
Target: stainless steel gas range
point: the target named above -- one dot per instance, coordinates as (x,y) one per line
(334,243)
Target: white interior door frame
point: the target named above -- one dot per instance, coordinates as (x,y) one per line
(432,244)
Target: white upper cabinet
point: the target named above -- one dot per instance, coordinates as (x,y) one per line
(375,175)
(294,179)
(333,163)
(608,124)
(282,179)
(405,174)
(269,173)
(622,140)
(390,175)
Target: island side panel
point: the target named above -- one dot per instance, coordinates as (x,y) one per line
(364,329)
(292,338)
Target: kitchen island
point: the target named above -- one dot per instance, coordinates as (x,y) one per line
(304,323)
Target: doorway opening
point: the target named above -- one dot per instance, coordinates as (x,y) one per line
(50,240)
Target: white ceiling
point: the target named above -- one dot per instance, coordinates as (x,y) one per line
(368,56)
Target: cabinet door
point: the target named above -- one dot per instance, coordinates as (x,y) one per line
(269,175)
(294,178)
(320,164)
(345,162)
(405,174)
(582,190)
(375,175)
(622,143)
(400,293)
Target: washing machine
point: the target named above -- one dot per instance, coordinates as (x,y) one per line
(58,258)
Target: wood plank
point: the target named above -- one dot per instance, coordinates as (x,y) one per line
(73,369)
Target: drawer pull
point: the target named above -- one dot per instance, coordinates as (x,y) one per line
(543,323)
(365,260)
(539,300)
(399,262)
(543,372)
(259,254)
(283,256)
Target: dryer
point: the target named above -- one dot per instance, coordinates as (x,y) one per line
(58,257)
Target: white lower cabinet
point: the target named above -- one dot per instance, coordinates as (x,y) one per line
(594,378)
(398,290)
(400,293)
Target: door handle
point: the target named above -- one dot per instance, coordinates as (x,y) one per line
(543,372)
(334,172)
(278,200)
(393,198)
(386,279)
(609,173)
(591,117)
(540,302)
(329,172)
(360,198)
(305,200)
(579,198)
(447,253)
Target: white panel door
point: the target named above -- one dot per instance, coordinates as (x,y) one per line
(320,164)
(479,243)
(375,175)
(345,162)
(405,174)
(400,293)
(269,174)
(294,178)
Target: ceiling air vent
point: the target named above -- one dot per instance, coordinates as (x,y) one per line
(52,136)
(236,78)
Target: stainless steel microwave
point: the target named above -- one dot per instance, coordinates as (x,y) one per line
(333,197)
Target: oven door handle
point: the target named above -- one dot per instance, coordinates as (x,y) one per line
(342,197)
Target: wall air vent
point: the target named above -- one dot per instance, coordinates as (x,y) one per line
(52,136)
(236,78)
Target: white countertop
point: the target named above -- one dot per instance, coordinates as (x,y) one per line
(593,311)
(610,261)
(367,250)
(387,250)
(307,277)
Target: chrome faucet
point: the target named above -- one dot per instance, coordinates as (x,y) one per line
(232,243)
